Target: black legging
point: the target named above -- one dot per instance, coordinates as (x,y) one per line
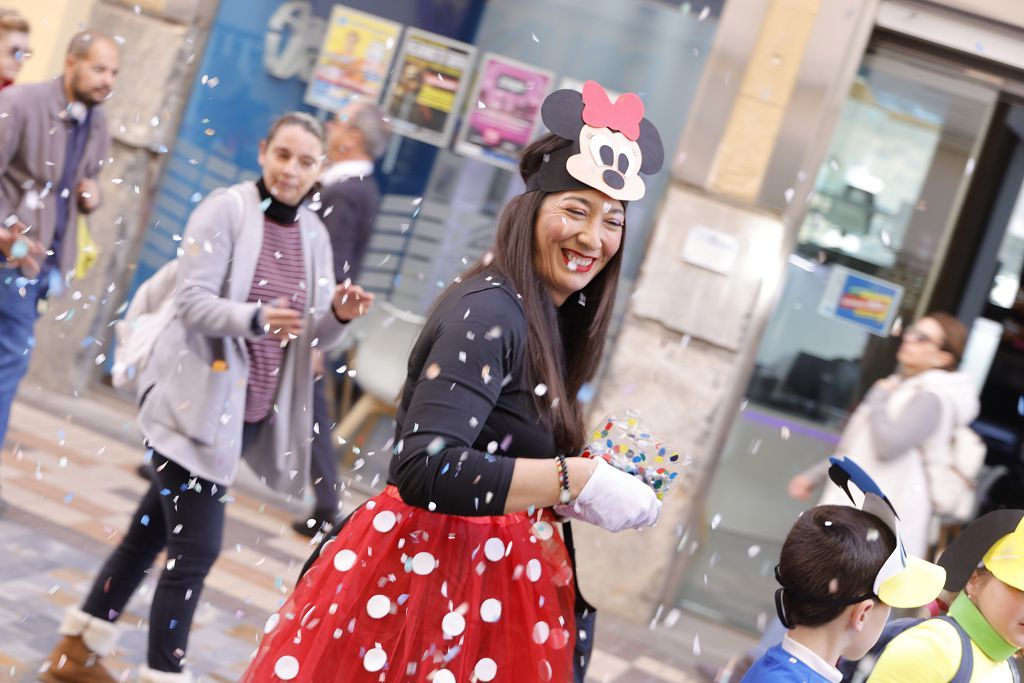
(323,462)
(184,514)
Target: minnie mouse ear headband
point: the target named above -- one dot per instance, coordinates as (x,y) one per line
(902,581)
(612,144)
(996,541)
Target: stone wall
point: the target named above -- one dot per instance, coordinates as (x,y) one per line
(676,360)
(687,344)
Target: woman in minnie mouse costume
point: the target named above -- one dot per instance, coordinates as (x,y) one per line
(456,572)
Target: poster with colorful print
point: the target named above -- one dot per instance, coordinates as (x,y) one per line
(354,59)
(428,86)
(503,111)
(861,300)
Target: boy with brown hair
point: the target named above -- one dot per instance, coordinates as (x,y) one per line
(841,570)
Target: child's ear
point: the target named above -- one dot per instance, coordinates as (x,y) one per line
(975,582)
(859,614)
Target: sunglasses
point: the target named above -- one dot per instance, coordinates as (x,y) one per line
(919,337)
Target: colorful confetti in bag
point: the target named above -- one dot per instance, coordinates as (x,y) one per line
(626,444)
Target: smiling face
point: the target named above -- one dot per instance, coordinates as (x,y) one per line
(1002,605)
(575,235)
(291,161)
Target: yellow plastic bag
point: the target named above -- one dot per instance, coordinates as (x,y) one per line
(88,252)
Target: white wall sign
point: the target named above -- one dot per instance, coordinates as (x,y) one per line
(711,249)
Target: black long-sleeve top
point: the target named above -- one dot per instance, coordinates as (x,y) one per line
(467,411)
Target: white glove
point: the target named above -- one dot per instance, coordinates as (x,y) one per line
(613,500)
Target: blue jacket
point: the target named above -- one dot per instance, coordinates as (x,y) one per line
(778,666)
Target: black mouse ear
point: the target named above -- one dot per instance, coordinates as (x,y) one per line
(651,150)
(841,478)
(562,113)
(965,553)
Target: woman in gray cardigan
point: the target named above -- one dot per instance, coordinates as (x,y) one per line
(230,379)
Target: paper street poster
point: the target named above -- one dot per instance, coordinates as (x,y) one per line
(862,300)
(428,85)
(503,110)
(354,59)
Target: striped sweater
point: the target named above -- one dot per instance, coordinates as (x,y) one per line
(280,274)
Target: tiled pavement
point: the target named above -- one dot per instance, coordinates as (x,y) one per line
(70,490)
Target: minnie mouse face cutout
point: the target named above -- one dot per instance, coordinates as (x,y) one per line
(612,144)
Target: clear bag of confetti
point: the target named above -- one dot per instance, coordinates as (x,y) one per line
(625,443)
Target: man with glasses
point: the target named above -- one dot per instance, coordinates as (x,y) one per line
(14,51)
(349,197)
(53,142)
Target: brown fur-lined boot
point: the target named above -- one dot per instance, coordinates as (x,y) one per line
(76,659)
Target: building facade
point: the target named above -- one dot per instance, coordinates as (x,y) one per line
(837,168)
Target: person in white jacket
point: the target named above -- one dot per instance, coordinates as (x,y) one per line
(905,420)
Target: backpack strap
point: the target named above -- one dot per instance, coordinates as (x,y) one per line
(218,344)
(236,193)
(966,670)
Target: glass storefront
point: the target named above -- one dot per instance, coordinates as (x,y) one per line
(867,251)
(1007,281)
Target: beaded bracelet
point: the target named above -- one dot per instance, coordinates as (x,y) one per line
(564,496)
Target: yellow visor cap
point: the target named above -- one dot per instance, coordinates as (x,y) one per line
(915,584)
(1005,559)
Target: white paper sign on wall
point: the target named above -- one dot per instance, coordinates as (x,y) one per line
(711,249)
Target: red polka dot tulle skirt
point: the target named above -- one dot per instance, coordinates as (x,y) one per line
(407,595)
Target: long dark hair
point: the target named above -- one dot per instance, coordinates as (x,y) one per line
(564,346)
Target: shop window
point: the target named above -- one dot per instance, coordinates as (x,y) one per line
(884,201)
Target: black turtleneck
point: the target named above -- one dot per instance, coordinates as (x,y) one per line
(279,212)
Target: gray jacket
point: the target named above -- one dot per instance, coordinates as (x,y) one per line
(33,144)
(194,412)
